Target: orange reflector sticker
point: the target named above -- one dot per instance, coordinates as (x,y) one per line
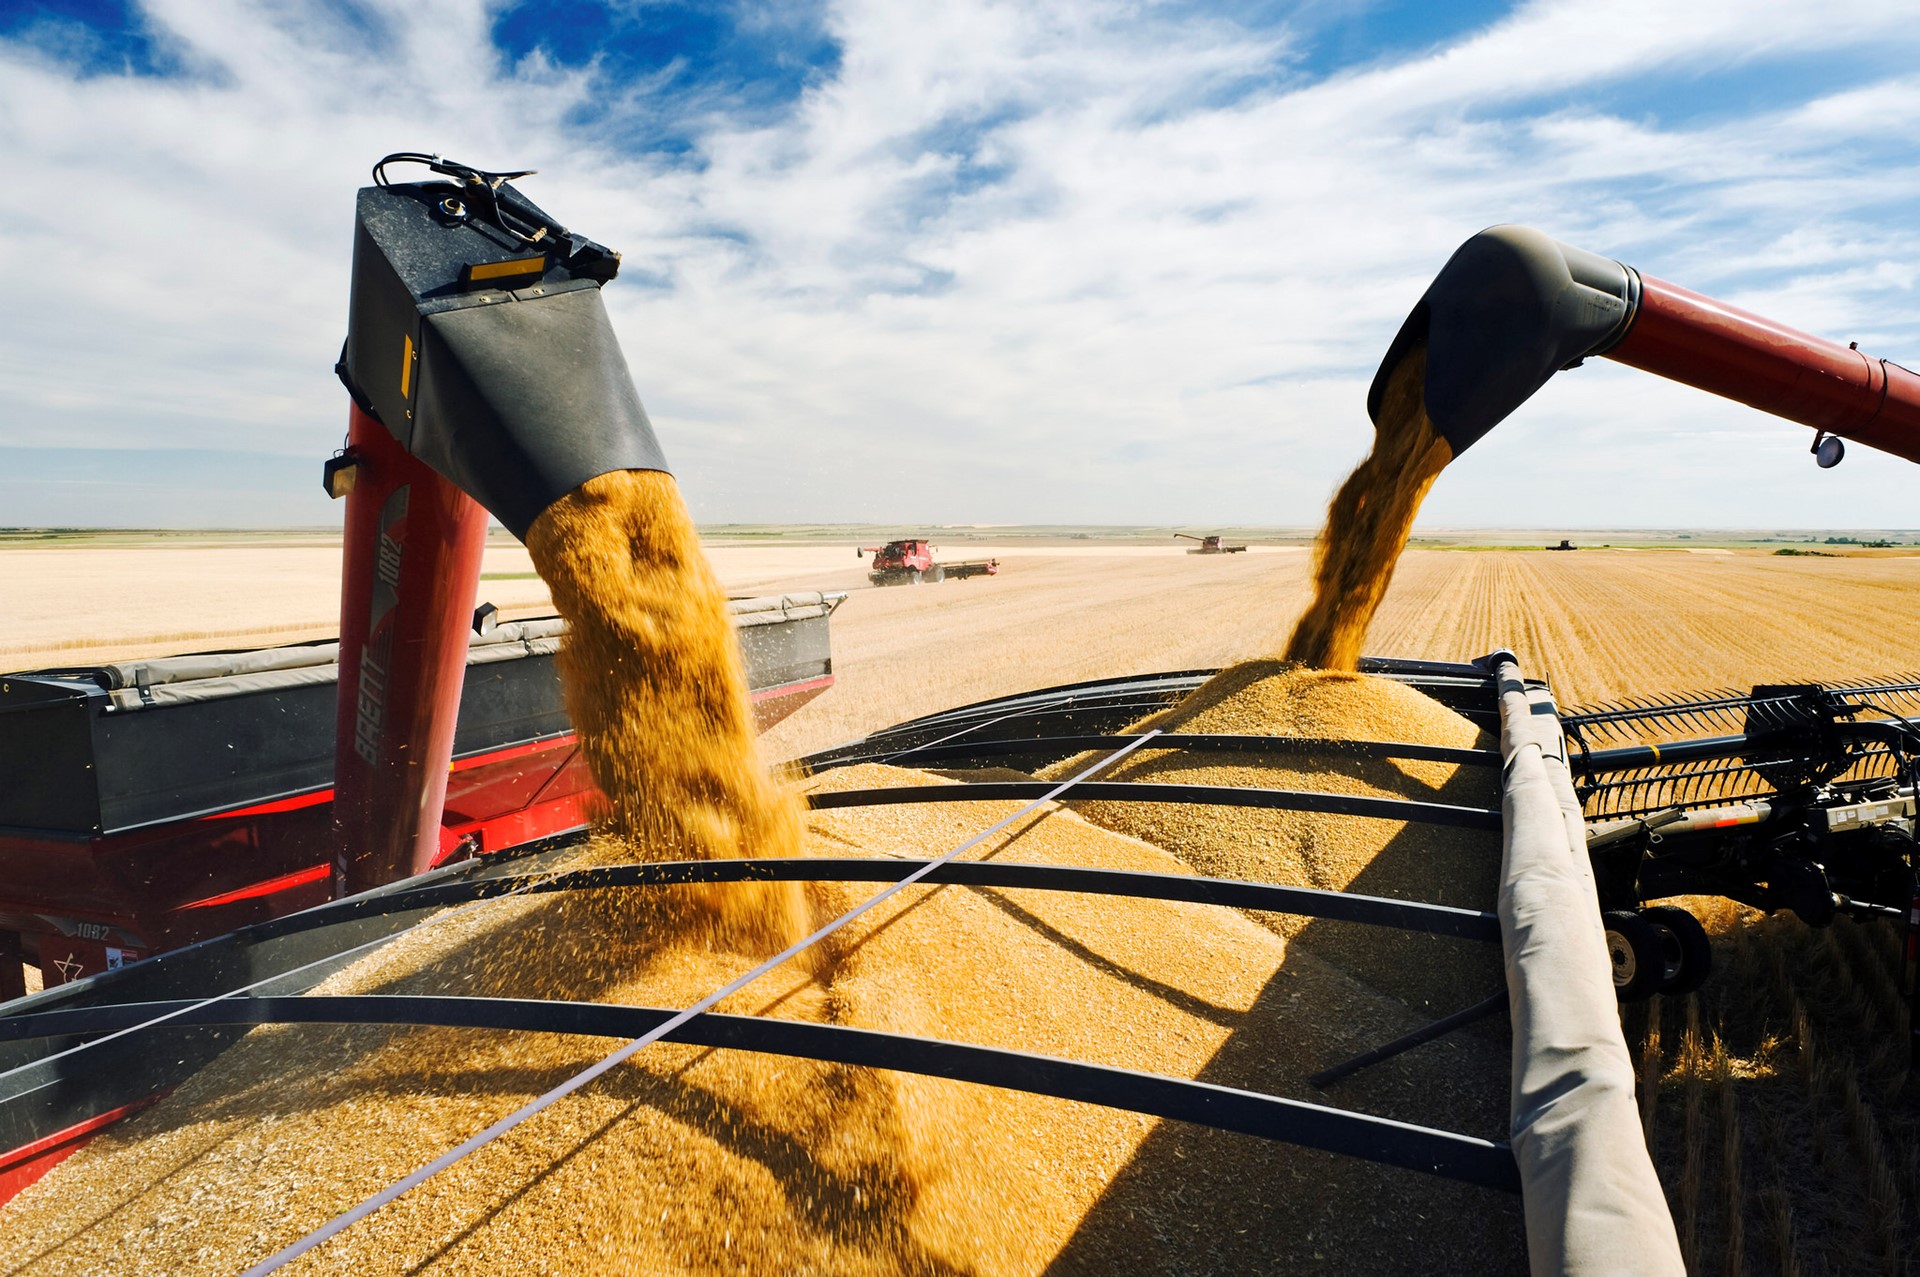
(503,270)
(406,368)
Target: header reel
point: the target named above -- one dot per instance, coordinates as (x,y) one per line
(1793,796)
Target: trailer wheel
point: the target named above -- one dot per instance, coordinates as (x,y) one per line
(1638,954)
(1687,953)
(936,574)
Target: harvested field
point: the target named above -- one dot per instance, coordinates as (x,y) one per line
(1598,623)
(87,601)
(1778,1101)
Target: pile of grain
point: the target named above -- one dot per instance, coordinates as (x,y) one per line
(691,1160)
(1368,523)
(1340,853)
(1184,990)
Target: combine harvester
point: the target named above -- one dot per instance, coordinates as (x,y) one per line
(911,562)
(1211,544)
(1796,797)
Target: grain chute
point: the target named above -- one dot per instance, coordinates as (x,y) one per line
(485,378)
(1512,307)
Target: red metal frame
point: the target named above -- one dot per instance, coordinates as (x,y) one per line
(22,1166)
(1693,339)
(75,899)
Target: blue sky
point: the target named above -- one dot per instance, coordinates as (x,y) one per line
(975,262)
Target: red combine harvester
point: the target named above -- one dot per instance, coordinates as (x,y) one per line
(911,562)
(1210,544)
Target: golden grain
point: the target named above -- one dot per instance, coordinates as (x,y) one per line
(1368,522)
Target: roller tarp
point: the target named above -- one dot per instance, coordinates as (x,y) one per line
(1593,1203)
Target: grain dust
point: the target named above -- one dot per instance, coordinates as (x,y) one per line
(655,688)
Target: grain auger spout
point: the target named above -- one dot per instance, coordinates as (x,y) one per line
(1512,307)
(485,378)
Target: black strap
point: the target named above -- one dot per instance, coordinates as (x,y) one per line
(1375,1139)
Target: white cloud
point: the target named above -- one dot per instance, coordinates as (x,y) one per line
(1163,301)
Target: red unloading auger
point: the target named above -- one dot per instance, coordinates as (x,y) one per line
(485,377)
(1512,307)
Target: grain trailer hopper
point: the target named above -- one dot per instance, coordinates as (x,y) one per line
(149,804)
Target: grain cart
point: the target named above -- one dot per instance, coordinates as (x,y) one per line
(911,562)
(149,804)
(1211,545)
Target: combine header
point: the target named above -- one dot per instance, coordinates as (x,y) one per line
(1788,797)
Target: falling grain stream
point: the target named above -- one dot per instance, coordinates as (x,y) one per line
(1368,523)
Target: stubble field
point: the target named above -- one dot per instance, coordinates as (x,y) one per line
(1598,624)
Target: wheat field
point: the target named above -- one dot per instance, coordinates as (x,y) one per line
(1598,624)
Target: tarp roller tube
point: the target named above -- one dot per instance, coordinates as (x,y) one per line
(1592,1200)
